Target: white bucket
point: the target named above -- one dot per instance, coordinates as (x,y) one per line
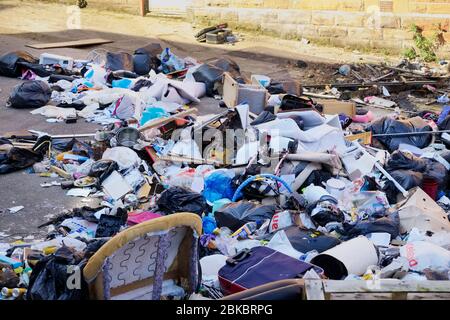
(335,187)
(313,193)
(350,257)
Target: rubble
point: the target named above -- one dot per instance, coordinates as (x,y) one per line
(304,179)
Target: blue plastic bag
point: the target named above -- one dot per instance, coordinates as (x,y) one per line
(170,62)
(219,185)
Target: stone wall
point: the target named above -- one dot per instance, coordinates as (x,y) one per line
(128,6)
(353,23)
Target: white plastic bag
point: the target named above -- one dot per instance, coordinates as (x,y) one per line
(422,255)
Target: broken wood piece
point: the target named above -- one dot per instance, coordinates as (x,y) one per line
(75,43)
(162,121)
(60,172)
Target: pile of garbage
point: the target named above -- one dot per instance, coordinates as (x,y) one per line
(218,34)
(286,185)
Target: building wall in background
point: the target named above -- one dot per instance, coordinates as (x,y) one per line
(353,23)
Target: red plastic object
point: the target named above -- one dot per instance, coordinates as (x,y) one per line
(430,186)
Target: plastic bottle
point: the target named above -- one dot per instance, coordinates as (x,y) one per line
(246,231)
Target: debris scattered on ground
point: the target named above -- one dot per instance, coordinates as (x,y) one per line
(303,178)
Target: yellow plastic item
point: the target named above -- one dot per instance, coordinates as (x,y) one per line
(49,250)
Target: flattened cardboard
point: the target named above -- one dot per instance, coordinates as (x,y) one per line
(422,212)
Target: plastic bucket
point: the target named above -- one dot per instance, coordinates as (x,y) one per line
(335,187)
(430,186)
(351,257)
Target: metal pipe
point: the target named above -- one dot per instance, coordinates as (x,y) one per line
(409,133)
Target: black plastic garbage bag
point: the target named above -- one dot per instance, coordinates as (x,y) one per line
(405,161)
(291,102)
(177,199)
(30,94)
(39,69)
(437,171)
(389,224)
(324,212)
(408,179)
(18,158)
(209,75)
(263,117)
(387,125)
(119,61)
(316,177)
(146,58)
(101,169)
(50,277)
(9,66)
(307,240)
(108,226)
(230,66)
(235,215)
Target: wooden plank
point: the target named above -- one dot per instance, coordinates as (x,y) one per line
(385,285)
(314,290)
(75,43)
(159,122)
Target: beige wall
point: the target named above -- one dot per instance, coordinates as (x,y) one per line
(355,23)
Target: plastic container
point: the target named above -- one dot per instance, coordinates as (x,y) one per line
(350,257)
(48,58)
(430,186)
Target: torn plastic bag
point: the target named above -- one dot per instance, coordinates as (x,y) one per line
(405,161)
(119,61)
(406,178)
(209,75)
(125,157)
(50,277)
(387,125)
(177,199)
(30,94)
(235,215)
(389,224)
(17,159)
(307,240)
(9,66)
(146,59)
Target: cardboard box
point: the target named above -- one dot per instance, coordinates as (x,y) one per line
(332,106)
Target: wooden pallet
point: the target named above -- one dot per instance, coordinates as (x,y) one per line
(391,289)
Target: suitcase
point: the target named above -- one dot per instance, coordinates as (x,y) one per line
(260,265)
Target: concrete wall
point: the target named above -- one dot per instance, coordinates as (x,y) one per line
(128,6)
(354,23)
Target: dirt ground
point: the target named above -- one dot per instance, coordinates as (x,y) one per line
(28,22)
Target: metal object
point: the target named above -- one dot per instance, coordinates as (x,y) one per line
(127,136)
(409,133)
